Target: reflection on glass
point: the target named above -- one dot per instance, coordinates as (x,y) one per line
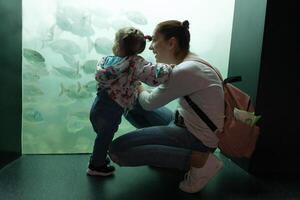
(62,42)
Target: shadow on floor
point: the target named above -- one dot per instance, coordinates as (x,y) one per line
(63,177)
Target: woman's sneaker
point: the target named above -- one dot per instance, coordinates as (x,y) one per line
(197,178)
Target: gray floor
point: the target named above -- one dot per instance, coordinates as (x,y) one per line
(62,177)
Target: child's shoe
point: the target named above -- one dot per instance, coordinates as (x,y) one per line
(104,170)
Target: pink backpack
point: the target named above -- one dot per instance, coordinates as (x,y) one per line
(237,139)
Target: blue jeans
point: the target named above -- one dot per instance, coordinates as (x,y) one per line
(167,145)
(105,116)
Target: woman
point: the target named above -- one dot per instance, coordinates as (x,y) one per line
(188,145)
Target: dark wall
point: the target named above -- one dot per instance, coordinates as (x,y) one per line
(245,50)
(265,50)
(246,43)
(10,79)
(277,98)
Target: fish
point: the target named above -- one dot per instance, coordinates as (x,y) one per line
(30,77)
(101,23)
(29,99)
(70,60)
(90,44)
(137,17)
(33,56)
(103,45)
(68,72)
(62,21)
(39,70)
(65,46)
(89,66)
(101,12)
(32,90)
(83,27)
(74,125)
(82,115)
(116,24)
(75,91)
(32,115)
(91,86)
(48,35)
(74,21)
(83,144)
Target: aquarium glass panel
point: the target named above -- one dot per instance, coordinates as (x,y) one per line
(62,42)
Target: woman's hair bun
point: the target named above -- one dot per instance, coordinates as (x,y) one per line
(186,24)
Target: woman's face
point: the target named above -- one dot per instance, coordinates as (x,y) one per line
(161,49)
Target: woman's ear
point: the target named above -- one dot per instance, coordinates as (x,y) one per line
(172,43)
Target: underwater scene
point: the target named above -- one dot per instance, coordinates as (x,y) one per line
(64,40)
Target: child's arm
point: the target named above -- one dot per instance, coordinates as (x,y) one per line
(153,74)
(100,72)
(104,75)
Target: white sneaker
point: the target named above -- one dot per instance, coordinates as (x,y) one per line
(197,178)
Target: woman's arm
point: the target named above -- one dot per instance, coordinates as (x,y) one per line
(152,74)
(183,80)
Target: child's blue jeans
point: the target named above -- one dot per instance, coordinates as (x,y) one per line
(105,116)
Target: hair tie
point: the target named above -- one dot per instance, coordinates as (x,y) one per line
(148,37)
(186,24)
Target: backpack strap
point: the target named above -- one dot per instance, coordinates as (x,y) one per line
(227,80)
(232,79)
(198,110)
(201,114)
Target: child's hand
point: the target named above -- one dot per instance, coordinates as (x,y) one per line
(140,88)
(142,61)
